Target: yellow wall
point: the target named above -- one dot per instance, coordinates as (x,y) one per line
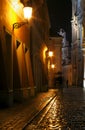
(20,80)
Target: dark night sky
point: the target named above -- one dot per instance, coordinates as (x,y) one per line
(60,16)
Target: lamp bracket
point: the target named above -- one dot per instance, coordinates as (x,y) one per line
(18,24)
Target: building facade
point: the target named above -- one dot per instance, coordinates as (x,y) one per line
(66,60)
(20,67)
(77,40)
(82,5)
(54,60)
(39,39)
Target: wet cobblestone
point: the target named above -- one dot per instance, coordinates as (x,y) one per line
(67,113)
(16,117)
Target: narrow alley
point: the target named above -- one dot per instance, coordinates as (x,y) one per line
(60,109)
(42,65)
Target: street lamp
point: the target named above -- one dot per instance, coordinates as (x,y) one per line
(27,15)
(27,12)
(50,53)
(52,66)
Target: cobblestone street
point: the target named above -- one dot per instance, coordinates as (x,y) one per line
(16,117)
(66,113)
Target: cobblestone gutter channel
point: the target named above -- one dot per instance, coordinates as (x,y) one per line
(43,106)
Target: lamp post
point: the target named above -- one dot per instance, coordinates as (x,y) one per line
(27,15)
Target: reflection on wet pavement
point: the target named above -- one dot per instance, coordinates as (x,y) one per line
(66,113)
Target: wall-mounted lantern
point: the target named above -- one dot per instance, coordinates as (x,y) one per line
(50,53)
(27,10)
(52,66)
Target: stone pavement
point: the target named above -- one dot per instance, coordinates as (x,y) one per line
(16,117)
(66,113)
(71,103)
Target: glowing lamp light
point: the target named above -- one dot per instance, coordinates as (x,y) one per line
(52,66)
(27,12)
(27,15)
(50,53)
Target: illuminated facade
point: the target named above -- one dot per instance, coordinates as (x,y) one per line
(22,61)
(66,64)
(83,38)
(66,60)
(77,40)
(39,39)
(54,59)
